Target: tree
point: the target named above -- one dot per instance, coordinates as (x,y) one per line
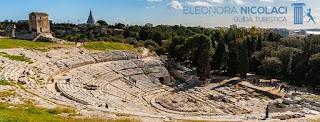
(270,67)
(285,55)
(253,30)
(314,72)
(176,48)
(199,49)
(233,57)
(259,45)
(119,25)
(271,37)
(102,22)
(135,28)
(244,60)
(127,33)
(204,67)
(220,55)
(250,46)
(158,38)
(143,34)
(299,68)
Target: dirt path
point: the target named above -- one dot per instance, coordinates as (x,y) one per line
(145,52)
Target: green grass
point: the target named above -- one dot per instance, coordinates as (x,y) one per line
(15,57)
(5,83)
(21,113)
(108,46)
(16,43)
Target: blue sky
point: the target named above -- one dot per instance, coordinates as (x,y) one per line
(154,11)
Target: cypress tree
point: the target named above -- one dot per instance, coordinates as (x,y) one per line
(259,45)
(244,61)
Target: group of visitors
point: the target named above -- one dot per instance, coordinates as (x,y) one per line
(81,42)
(276,85)
(285,88)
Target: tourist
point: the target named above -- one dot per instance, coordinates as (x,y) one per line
(295,89)
(68,80)
(267,111)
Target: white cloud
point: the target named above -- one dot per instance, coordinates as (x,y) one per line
(216,1)
(174,5)
(240,2)
(150,7)
(198,3)
(154,0)
(270,1)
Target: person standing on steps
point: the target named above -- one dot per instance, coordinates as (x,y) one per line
(267,111)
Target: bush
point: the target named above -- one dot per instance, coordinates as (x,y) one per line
(160,50)
(270,66)
(138,43)
(151,43)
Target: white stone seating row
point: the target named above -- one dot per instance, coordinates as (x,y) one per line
(122,65)
(110,77)
(70,93)
(77,61)
(122,85)
(55,97)
(129,72)
(74,92)
(147,63)
(10,69)
(105,67)
(111,56)
(144,83)
(110,89)
(42,91)
(105,78)
(15,75)
(111,100)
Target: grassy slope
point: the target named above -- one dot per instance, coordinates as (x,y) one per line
(29,113)
(40,46)
(108,46)
(15,58)
(16,43)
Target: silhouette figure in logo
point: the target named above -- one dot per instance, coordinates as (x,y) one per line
(308,13)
